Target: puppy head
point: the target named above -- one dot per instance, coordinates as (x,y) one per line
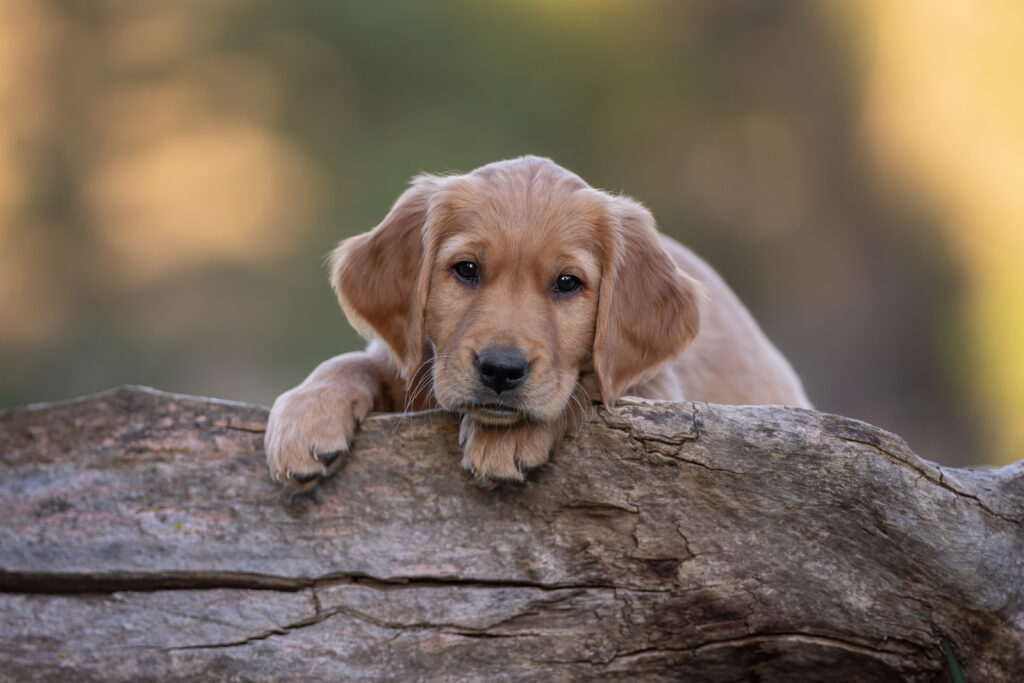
(512,278)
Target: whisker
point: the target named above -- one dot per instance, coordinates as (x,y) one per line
(582,423)
(422,384)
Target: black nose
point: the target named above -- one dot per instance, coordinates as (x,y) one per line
(501,367)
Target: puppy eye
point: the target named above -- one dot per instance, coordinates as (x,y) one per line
(467,271)
(567,284)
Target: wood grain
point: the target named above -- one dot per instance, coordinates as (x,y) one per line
(143,540)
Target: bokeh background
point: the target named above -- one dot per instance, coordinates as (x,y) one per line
(172,174)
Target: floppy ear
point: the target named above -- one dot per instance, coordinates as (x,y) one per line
(381,276)
(648,311)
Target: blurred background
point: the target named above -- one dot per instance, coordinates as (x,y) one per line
(173,173)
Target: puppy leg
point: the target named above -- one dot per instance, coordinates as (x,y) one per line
(311,426)
(504,453)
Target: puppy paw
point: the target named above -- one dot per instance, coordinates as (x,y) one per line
(310,429)
(497,454)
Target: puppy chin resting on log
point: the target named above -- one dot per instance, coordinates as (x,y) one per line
(515,295)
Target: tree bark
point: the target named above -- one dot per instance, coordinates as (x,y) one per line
(143,539)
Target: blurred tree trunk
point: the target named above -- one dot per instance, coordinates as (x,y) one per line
(143,539)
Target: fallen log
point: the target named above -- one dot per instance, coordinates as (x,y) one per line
(143,539)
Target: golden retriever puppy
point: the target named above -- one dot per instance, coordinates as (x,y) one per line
(514,295)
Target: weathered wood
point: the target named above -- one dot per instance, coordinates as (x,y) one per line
(142,539)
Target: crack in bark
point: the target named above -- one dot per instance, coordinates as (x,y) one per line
(321,615)
(900,656)
(600,506)
(622,423)
(115,582)
(706,466)
(815,638)
(894,657)
(312,620)
(942,482)
(928,476)
(645,441)
(441,627)
(249,430)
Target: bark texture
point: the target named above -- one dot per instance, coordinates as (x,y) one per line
(143,540)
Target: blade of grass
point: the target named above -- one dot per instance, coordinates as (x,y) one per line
(946,645)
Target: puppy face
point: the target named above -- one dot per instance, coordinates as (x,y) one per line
(511,280)
(513,292)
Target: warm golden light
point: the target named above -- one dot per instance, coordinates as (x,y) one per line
(164,175)
(945,116)
(223,191)
(29,308)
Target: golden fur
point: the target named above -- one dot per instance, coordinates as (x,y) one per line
(643,299)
